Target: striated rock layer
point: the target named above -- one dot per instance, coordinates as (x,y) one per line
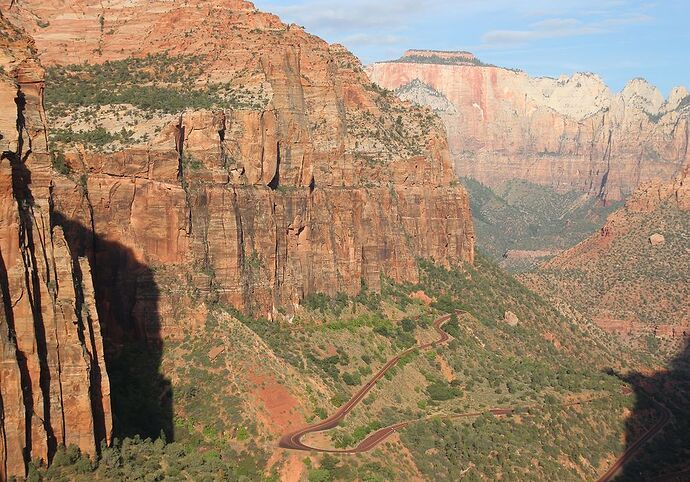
(305,178)
(53,385)
(567,133)
(320,183)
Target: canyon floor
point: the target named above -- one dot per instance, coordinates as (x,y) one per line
(529,380)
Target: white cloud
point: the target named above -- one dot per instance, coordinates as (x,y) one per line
(558,28)
(379,26)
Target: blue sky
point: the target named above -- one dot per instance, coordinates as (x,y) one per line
(618,39)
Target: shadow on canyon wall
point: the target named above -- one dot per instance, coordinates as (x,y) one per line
(127,298)
(662,398)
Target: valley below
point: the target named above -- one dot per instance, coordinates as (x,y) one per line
(231,251)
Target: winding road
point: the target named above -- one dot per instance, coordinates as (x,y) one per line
(293,440)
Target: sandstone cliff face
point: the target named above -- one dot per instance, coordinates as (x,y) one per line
(567,133)
(320,181)
(53,385)
(303,178)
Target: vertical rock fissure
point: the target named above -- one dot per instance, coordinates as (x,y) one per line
(53,291)
(96,392)
(3,439)
(592,145)
(21,180)
(24,375)
(276,252)
(240,247)
(203,223)
(604,179)
(275,182)
(87,329)
(85,323)
(179,147)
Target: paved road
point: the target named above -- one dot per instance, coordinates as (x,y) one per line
(293,440)
(630,452)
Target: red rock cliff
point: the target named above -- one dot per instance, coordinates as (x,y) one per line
(568,133)
(322,182)
(53,385)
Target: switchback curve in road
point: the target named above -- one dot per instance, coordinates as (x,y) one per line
(293,440)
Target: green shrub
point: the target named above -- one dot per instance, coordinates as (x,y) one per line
(59,163)
(319,475)
(441,391)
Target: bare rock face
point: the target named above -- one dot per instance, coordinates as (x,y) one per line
(422,94)
(511,319)
(308,179)
(53,385)
(641,95)
(322,183)
(567,133)
(650,195)
(657,239)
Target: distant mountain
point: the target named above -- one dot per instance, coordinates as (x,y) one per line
(570,133)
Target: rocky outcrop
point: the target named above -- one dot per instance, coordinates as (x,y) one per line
(649,196)
(53,385)
(419,93)
(567,133)
(511,319)
(322,184)
(657,239)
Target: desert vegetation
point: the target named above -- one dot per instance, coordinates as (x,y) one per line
(332,346)
(645,285)
(522,216)
(83,99)
(159,83)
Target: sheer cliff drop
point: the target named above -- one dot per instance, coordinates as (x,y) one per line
(53,386)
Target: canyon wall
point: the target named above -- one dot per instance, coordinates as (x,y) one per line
(570,133)
(299,176)
(632,277)
(317,181)
(53,385)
